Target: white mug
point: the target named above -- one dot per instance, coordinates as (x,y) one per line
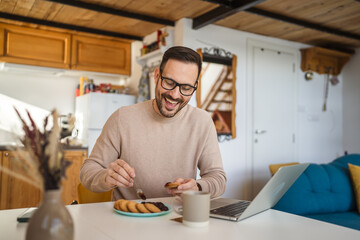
(196,208)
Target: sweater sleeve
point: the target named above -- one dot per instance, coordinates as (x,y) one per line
(105,151)
(213,177)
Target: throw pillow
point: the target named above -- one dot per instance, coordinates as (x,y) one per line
(355,176)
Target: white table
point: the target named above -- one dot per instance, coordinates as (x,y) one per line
(99,221)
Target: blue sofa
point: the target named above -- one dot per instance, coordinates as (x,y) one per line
(324,192)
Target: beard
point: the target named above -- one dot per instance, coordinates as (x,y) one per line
(169,113)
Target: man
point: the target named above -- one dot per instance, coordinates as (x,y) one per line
(158,141)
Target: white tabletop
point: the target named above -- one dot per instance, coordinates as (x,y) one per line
(99,221)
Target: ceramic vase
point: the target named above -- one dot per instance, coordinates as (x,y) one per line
(51,221)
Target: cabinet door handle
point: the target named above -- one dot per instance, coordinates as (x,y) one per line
(6,154)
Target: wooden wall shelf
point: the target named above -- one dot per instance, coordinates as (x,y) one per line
(322,60)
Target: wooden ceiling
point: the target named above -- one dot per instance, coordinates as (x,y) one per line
(326,23)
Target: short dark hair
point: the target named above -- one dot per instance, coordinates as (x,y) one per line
(182,54)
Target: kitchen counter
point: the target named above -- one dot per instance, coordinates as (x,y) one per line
(68,147)
(65,147)
(6,147)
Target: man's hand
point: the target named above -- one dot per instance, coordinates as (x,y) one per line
(185,185)
(119,174)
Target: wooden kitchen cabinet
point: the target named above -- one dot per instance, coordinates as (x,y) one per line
(70,183)
(18,194)
(34,46)
(100,55)
(14,192)
(67,50)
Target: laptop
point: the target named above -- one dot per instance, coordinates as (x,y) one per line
(270,194)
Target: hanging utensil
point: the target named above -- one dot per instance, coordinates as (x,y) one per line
(309,75)
(334,80)
(327,80)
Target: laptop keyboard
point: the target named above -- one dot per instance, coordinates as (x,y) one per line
(234,209)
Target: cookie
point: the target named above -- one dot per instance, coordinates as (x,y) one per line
(141,207)
(171,185)
(152,208)
(123,205)
(131,205)
(117,204)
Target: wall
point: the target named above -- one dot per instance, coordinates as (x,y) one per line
(133,81)
(10,124)
(319,134)
(41,90)
(351,103)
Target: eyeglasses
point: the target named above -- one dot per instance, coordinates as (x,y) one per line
(185,89)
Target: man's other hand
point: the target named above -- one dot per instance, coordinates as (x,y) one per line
(120,174)
(185,185)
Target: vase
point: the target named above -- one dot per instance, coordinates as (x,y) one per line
(51,221)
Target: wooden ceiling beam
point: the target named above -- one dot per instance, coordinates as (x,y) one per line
(67,26)
(223,11)
(112,11)
(221,2)
(303,23)
(230,7)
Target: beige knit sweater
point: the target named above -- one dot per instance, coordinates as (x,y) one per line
(159,149)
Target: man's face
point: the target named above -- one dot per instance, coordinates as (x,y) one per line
(170,102)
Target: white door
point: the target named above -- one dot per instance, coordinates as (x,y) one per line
(274,102)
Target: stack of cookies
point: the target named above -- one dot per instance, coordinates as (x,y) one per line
(143,207)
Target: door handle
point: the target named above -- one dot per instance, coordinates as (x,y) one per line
(260,131)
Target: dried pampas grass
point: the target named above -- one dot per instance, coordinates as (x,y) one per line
(40,162)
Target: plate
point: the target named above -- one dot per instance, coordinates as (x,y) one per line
(144,214)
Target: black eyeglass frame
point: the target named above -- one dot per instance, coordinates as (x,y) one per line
(178,84)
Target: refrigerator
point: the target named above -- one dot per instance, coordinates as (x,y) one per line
(91,112)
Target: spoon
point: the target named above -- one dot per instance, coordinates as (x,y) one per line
(139,191)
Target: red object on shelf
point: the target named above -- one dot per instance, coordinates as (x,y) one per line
(105,87)
(77,91)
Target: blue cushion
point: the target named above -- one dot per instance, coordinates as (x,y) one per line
(343,161)
(346,219)
(322,188)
